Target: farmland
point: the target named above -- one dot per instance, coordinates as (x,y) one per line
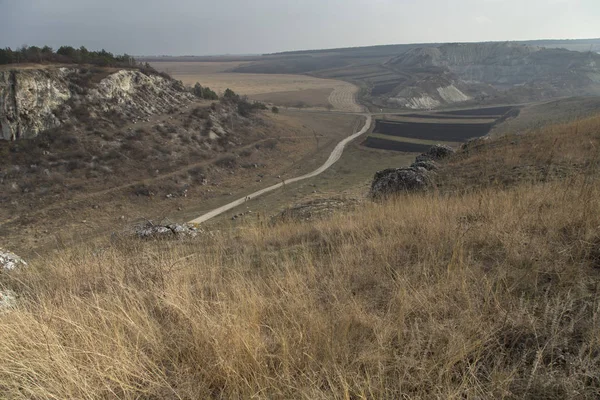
(415,132)
(279,89)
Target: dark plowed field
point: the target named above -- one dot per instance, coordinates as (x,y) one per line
(383,89)
(433,131)
(377,143)
(446,116)
(491,111)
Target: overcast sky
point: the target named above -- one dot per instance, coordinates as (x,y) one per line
(201,27)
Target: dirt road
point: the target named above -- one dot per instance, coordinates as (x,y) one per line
(333,157)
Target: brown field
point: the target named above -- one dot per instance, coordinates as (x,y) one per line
(341,95)
(300,98)
(181,69)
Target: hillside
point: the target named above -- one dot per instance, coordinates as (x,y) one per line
(484,286)
(99,149)
(429,76)
(38,98)
(512,72)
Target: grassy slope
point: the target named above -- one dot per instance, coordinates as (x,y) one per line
(486,287)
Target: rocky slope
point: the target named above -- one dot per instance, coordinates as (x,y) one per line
(455,73)
(34,100)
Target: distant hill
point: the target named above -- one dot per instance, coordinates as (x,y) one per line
(424,76)
(510,71)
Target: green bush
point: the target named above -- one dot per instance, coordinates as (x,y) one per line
(204,92)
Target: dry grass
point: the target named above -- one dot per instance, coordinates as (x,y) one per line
(297,98)
(285,89)
(554,152)
(490,293)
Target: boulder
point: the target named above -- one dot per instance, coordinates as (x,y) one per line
(314,209)
(439,152)
(149,230)
(414,178)
(397,180)
(10,261)
(428,165)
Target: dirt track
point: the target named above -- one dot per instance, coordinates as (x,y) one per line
(333,157)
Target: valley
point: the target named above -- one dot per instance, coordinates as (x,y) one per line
(409,221)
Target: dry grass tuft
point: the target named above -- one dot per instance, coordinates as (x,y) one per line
(488,293)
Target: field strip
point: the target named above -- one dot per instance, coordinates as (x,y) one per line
(333,158)
(430,120)
(410,140)
(343,98)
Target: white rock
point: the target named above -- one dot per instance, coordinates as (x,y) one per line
(10,261)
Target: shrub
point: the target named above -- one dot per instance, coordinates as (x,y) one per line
(231,96)
(246,108)
(226,162)
(204,92)
(201,112)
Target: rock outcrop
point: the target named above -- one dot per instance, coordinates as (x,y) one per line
(10,261)
(150,230)
(417,177)
(436,152)
(397,180)
(314,209)
(34,100)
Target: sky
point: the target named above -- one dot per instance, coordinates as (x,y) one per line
(210,27)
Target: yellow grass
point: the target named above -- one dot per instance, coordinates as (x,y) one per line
(490,293)
(297,98)
(196,67)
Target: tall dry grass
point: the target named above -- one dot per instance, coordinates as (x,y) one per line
(491,293)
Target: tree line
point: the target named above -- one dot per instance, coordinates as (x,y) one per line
(66,55)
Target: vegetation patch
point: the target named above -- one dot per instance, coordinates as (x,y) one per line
(71,55)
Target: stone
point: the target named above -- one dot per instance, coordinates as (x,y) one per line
(10,261)
(149,230)
(397,180)
(315,209)
(439,152)
(428,165)
(414,178)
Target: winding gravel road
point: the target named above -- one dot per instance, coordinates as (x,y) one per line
(333,157)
